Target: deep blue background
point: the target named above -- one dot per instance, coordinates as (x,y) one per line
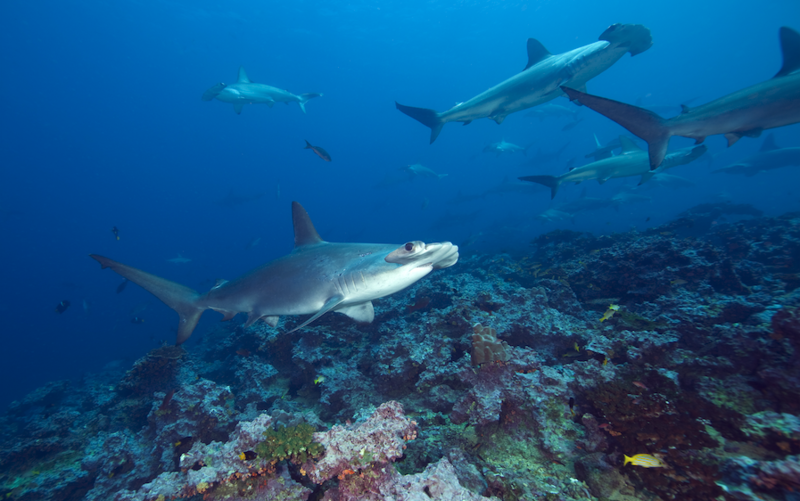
(102,125)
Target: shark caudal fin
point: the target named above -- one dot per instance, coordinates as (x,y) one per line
(304,98)
(429,118)
(635,37)
(551,182)
(212,92)
(178,297)
(641,122)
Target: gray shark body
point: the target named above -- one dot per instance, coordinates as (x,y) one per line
(502,146)
(747,112)
(316,277)
(768,158)
(633,161)
(246,92)
(419,170)
(541,79)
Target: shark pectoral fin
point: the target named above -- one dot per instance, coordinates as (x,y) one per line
(330,304)
(363,313)
(238,108)
(213,91)
(271,103)
(271,320)
(467,122)
(499,119)
(226,315)
(602,180)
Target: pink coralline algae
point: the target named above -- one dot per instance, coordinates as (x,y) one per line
(380,439)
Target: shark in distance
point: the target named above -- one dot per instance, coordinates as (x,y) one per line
(419,170)
(746,112)
(503,146)
(768,157)
(541,78)
(246,92)
(633,161)
(313,279)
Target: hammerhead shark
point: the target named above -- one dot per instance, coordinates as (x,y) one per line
(539,81)
(315,278)
(631,162)
(768,157)
(246,92)
(746,112)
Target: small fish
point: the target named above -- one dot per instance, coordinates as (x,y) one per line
(605,361)
(577,348)
(115,231)
(613,308)
(137,320)
(243,352)
(319,379)
(319,150)
(62,306)
(678,281)
(640,385)
(571,405)
(248,456)
(121,287)
(645,460)
(648,219)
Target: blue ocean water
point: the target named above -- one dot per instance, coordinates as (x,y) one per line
(103,127)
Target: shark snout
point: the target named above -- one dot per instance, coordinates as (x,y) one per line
(436,255)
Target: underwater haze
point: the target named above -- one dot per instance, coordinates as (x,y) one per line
(104,126)
(109,146)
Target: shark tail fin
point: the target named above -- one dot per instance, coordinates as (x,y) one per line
(551,182)
(641,122)
(635,37)
(304,98)
(424,116)
(178,297)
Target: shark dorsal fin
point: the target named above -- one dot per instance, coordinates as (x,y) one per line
(684,109)
(243,76)
(628,145)
(304,231)
(536,52)
(790,46)
(769,143)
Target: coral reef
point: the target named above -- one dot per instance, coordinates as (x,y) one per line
(495,377)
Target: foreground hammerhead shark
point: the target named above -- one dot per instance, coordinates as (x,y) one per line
(315,278)
(540,80)
(246,92)
(746,112)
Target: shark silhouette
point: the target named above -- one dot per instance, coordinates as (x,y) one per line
(539,81)
(315,278)
(746,112)
(246,92)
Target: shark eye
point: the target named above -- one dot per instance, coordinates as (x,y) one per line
(409,246)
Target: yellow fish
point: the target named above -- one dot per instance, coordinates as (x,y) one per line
(319,380)
(613,308)
(645,460)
